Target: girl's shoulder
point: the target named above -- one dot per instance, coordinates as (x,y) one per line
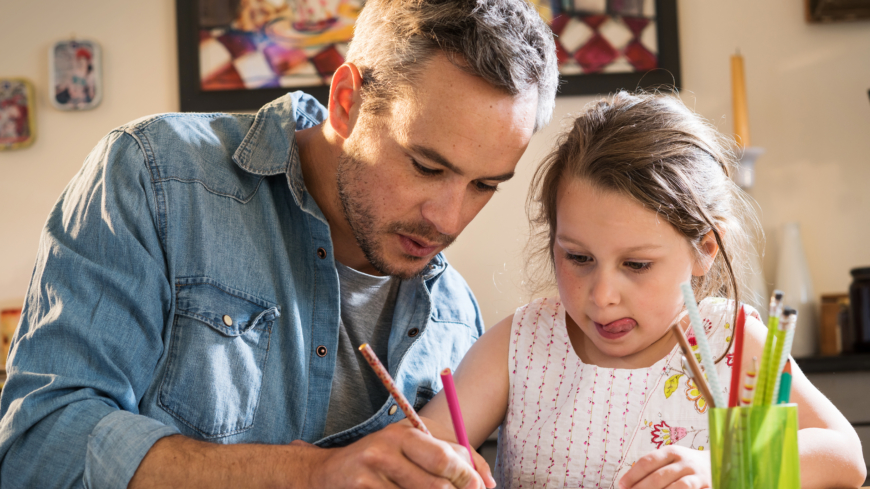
(717,314)
(542,314)
(546,306)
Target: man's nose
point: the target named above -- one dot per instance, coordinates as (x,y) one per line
(444,210)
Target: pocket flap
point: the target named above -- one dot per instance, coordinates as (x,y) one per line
(229,311)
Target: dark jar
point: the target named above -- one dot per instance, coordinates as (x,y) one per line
(859,308)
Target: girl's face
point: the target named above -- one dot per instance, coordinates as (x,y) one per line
(619,268)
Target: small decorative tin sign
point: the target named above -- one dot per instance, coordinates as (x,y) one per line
(75,68)
(17,113)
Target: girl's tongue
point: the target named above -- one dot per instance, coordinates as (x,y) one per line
(616,328)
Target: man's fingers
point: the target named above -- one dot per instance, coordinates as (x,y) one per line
(408,475)
(484,470)
(645,466)
(480,464)
(441,459)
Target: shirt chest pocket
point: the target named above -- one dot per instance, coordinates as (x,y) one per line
(219,344)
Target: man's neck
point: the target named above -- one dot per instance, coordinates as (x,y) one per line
(319,153)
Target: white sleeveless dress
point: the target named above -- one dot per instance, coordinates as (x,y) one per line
(570,424)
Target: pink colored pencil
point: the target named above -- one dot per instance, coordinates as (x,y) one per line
(456,413)
(394,391)
(734,393)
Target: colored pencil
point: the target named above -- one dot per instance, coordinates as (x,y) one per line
(787,325)
(749,383)
(734,392)
(765,367)
(394,391)
(785,384)
(456,413)
(694,370)
(703,346)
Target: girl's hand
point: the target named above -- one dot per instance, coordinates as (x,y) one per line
(671,467)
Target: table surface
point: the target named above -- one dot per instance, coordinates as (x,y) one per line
(858,362)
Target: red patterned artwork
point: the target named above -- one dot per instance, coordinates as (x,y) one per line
(255,44)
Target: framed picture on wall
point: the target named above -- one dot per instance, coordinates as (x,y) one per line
(241,54)
(606,45)
(17,113)
(75,68)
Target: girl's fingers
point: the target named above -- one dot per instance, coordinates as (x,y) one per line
(645,466)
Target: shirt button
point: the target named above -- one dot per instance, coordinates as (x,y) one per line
(413,332)
(228,320)
(393,409)
(321,351)
(321,253)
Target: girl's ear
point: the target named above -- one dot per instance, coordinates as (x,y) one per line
(709,248)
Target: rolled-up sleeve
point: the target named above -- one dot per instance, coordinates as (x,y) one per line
(92,331)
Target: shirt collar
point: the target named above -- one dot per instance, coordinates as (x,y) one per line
(270,148)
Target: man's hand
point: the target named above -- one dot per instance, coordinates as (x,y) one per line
(672,467)
(398,456)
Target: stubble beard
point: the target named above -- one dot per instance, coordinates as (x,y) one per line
(365,227)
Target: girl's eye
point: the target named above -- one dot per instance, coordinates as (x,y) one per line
(424,170)
(638,266)
(580,259)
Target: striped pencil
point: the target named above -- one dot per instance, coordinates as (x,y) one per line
(703,346)
(394,391)
(749,382)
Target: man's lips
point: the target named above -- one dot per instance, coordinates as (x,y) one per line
(417,247)
(616,329)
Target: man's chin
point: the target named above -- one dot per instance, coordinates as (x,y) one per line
(404,266)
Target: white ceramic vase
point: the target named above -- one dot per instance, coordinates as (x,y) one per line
(793,279)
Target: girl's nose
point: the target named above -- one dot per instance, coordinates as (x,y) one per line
(604,290)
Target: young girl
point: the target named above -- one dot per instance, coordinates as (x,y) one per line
(587,386)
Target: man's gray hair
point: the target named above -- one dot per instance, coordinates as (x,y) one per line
(505,42)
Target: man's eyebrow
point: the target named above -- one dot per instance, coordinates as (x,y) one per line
(433,155)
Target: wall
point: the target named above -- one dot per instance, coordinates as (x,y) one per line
(808,108)
(807,87)
(139,77)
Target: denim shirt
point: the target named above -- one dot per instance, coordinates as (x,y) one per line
(185,283)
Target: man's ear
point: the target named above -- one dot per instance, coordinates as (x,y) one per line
(709,248)
(344,99)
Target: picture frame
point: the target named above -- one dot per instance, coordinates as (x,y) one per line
(212,39)
(75,75)
(17,113)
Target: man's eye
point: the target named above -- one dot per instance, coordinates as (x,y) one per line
(638,266)
(486,188)
(424,170)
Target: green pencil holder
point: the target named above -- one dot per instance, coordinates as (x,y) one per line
(755,447)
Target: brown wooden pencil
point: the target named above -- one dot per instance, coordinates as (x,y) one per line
(697,374)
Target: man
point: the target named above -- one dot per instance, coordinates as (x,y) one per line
(204,281)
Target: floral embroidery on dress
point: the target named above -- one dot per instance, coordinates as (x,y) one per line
(694,394)
(570,424)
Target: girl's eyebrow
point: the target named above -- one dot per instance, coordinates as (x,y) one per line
(633,249)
